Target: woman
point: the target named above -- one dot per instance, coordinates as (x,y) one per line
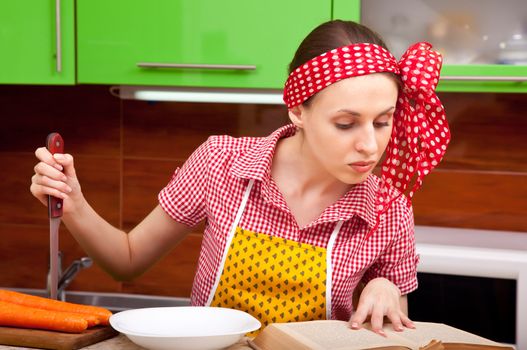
(295,220)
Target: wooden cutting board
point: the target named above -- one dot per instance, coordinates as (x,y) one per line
(35,338)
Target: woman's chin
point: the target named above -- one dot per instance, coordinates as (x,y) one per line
(355,179)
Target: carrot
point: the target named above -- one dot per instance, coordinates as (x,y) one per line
(14,315)
(101,313)
(93,320)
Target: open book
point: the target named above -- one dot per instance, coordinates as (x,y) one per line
(336,335)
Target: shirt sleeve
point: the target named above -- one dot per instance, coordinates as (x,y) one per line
(398,263)
(184,196)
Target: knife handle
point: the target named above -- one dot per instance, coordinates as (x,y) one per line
(54,144)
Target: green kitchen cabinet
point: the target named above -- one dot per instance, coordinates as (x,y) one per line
(37,42)
(483,42)
(199,43)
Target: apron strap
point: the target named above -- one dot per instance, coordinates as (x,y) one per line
(229,239)
(329,267)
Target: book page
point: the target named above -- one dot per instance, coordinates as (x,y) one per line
(336,335)
(427,331)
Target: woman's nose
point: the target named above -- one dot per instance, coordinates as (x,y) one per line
(367,142)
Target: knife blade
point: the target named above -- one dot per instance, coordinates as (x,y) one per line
(54,144)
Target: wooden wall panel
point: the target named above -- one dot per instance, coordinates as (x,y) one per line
(142,181)
(88,118)
(101,182)
(164,130)
(24,252)
(173,274)
(489,132)
(17,205)
(482,200)
(481,182)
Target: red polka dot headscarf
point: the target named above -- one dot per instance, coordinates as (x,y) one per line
(420,134)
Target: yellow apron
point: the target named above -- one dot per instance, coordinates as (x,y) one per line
(272,278)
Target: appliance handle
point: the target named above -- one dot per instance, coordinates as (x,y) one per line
(484,78)
(196,66)
(58,41)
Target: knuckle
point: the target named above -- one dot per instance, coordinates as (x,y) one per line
(397,325)
(44,180)
(37,190)
(39,168)
(34,188)
(405,319)
(361,311)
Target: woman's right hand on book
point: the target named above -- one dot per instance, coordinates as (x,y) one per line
(380,298)
(55,176)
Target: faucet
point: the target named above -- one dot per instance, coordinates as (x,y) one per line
(69,274)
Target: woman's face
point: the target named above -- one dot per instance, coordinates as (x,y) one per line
(348,125)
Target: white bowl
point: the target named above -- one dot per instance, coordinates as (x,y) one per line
(184,327)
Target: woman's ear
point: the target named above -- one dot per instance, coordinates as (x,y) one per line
(296,115)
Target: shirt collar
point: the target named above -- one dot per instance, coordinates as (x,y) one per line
(255,163)
(359,200)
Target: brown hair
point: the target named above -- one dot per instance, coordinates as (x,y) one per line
(331,35)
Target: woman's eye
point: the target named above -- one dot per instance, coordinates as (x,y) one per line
(344,126)
(381,124)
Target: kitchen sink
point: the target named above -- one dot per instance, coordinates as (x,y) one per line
(115,302)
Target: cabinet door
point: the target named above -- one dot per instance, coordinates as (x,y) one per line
(483,42)
(31,53)
(114,37)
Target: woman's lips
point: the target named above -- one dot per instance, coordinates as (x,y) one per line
(362,167)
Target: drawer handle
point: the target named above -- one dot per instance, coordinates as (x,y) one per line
(484,78)
(58,35)
(196,66)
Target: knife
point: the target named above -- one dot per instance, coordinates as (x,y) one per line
(54,144)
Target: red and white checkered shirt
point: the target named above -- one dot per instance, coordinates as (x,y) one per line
(210,186)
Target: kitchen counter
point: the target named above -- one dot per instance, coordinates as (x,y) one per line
(120,342)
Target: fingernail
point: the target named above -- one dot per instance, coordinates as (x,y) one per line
(411,325)
(58,167)
(58,156)
(354,325)
(64,195)
(381,332)
(399,328)
(69,189)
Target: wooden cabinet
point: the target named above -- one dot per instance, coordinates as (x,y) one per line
(483,42)
(234,44)
(37,42)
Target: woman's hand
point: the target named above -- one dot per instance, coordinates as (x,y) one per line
(380,298)
(55,176)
